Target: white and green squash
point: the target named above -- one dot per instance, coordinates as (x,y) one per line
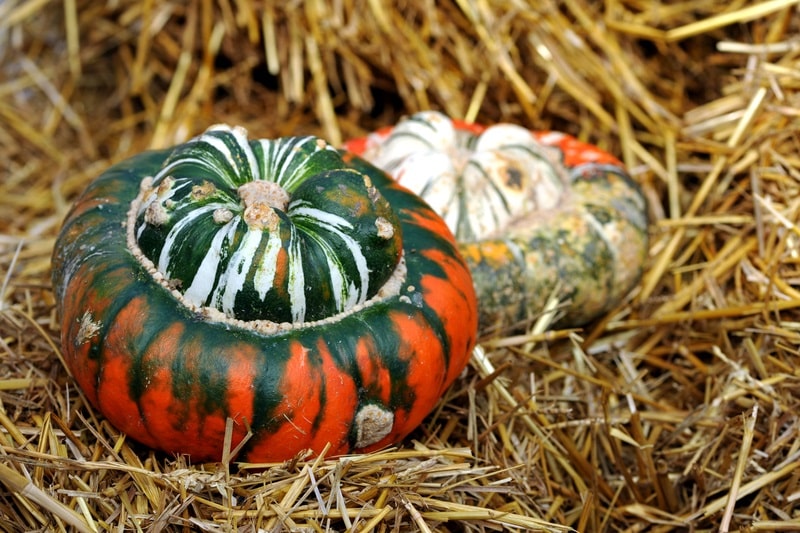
(536,214)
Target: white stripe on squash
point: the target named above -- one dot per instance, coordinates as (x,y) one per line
(228,154)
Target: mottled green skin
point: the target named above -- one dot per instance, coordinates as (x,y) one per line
(573,228)
(562,255)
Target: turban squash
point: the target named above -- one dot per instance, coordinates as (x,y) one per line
(281,284)
(536,213)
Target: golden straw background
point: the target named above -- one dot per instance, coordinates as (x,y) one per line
(678,411)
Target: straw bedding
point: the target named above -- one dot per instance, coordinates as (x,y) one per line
(677,411)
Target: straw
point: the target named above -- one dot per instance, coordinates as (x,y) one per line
(677,410)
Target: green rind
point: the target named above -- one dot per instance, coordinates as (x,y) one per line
(571,260)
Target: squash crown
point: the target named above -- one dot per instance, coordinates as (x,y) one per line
(479,180)
(280,230)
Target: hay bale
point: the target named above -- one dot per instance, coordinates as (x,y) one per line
(678,409)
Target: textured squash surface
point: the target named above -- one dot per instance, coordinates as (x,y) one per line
(536,214)
(164,268)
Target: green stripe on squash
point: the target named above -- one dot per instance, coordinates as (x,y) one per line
(314,240)
(170,375)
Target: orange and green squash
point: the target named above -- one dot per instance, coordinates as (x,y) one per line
(281,284)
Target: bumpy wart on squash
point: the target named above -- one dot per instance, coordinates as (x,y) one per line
(306,297)
(536,213)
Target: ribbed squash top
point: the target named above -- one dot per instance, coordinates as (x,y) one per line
(279,230)
(480,182)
